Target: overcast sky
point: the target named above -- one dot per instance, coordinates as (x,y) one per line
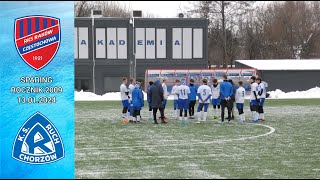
(163,9)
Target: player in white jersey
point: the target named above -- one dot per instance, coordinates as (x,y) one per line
(183,92)
(261,97)
(174,92)
(124,98)
(165,88)
(204,94)
(254,102)
(215,88)
(131,88)
(240,97)
(165,93)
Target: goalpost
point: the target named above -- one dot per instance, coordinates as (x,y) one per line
(236,74)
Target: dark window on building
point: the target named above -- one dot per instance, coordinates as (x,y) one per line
(85,84)
(82,84)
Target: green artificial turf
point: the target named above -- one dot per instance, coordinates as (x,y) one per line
(108,148)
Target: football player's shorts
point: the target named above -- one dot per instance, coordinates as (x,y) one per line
(184,104)
(125,103)
(216,102)
(175,104)
(240,105)
(261,101)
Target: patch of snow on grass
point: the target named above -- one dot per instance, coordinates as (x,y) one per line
(277,94)
(311,93)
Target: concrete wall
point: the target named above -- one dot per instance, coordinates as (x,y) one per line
(108,72)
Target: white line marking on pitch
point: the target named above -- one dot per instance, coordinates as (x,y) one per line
(272,130)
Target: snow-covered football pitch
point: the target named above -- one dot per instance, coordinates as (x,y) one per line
(286,145)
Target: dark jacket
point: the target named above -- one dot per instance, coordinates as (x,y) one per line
(148,96)
(156,94)
(234,89)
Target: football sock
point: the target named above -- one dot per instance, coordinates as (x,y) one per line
(185,119)
(205,114)
(253,115)
(150,114)
(199,116)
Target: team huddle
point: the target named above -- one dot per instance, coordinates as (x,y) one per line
(222,95)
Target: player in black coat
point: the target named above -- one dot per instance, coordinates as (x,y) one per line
(233,99)
(156,97)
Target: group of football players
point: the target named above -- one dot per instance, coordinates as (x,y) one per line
(222,94)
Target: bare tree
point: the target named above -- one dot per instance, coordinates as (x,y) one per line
(283,30)
(82,8)
(108,8)
(277,30)
(222,17)
(113,9)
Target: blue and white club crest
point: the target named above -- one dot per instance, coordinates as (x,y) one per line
(38,141)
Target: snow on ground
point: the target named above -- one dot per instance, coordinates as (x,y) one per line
(112,96)
(282,64)
(277,94)
(89,96)
(311,93)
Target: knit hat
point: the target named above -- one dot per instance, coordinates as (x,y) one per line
(183,81)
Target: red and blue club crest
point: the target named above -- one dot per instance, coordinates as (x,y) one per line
(37,39)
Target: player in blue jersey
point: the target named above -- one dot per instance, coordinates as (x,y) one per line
(226,91)
(140,84)
(192,98)
(137,102)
